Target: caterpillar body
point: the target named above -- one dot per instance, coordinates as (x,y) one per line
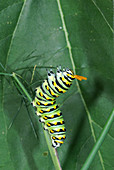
(45,102)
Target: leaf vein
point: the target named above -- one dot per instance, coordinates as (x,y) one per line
(74,69)
(102,128)
(103,16)
(14,33)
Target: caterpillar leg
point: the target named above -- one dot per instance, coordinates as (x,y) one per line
(55,144)
(58,140)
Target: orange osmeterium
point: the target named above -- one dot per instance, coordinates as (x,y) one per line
(79,77)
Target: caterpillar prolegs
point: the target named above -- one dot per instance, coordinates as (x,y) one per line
(45,102)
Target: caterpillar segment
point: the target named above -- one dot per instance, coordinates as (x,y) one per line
(50,91)
(40,93)
(53,127)
(42,103)
(48,110)
(45,103)
(55,85)
(50,124)
(52,116)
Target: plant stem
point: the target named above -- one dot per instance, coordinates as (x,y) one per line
(22,87)
(99,141)
(53,151)
(5,74)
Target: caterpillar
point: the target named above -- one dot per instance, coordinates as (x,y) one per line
(45,102)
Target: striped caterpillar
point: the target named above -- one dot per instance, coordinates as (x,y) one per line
(45,102)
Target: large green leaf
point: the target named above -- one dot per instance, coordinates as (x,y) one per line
(74,34)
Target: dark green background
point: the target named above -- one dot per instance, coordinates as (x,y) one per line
(32,33)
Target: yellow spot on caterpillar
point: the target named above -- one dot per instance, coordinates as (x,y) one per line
(63,137)
(58,130)
(51,131)
(59,138)
(47,98)
(63,129)
(58,114)
(52,93)
(67,83)
(68,75)
(52,99)
(54,84)
(45,117)
(55,123)
(53,137)
(63,79)
(47,88)
(52,116)
(59,89)
(61,122)
(41,111)
(41,94)
(59,142)
(55,107)
(48,124)
(46,104)
(48,110)
(38,103)
(52,103)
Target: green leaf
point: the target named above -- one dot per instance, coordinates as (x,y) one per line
(74,34)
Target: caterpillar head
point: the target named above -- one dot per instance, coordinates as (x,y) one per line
(70,74)
(69,71)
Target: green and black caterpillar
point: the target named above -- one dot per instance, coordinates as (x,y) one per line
(45,102)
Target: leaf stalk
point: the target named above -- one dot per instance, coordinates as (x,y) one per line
(99,142)
(53,151)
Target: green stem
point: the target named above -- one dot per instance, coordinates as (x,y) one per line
(53,151)
(5,74)
(99,141)
(22,87)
